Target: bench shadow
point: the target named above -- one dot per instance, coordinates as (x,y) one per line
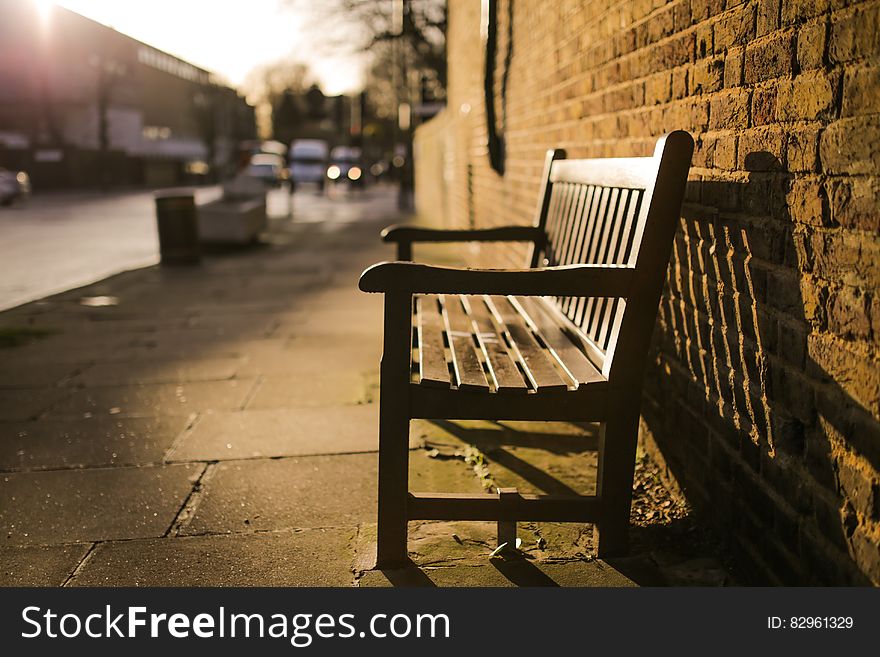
(739,331)
(522,572)
(492,443)
(407,576)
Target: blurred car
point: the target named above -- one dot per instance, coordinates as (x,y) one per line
(268,168)
(345,166)
(308,161)
(14,185)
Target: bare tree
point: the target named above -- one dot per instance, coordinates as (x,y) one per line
(397,34)
(268,85)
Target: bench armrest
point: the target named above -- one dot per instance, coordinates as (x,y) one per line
(568,280)
(500,234)
(405,236)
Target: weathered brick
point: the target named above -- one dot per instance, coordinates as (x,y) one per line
(810,96)
(847,258)
(855,35)
(735,28)
(851,146)
(680,82)
(853,375)
(807,202)
(784,291)
(703,9)
(682,17)
(661,25)
(762,149)
(802,152)
(798,11)
(793,343)
(815,298)
(857,481)
(811,45)
(768,17)
(704,42)
(733,67)
(831,519)
(866,554)
(724,154)
(658,88)
(764,104)
(861,91)
(793,391)
(769,58)
(848,313)
(729,110)
(855,202)
(708,75)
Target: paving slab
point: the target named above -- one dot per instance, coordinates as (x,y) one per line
(156,399)
(264,559)
(173,370)
(19,374)
(317,387)
(311,491)
(68,506)
(314,353)
(279,432)
(80,442)
(19,404)
(39,565)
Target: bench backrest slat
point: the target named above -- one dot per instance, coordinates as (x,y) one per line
(609,211)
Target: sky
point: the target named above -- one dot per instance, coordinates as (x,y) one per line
(229,37)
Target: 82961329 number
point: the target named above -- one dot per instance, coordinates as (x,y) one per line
(810,623)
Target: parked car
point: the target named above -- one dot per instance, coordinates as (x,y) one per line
(14,185)
(268,168)
(308,161)
(346,166)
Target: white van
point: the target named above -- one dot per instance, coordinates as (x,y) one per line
(308,161)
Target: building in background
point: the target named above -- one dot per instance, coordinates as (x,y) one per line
(82,105)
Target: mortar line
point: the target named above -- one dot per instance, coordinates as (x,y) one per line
(82,562)
(190,504)
(258,383)
(192,421)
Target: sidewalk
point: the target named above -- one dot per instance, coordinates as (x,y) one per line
(217,426)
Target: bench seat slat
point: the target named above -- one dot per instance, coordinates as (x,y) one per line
(536,362)
(502,367)
(465,362)
(433,370)
(548,325)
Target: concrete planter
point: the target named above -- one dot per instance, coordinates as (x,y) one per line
(232,221)
(238,217)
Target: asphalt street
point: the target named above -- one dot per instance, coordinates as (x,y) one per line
(58,241)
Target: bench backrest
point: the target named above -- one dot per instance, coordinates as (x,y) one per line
(614,211)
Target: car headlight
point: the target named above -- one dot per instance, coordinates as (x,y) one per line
(354,173)
(333,172)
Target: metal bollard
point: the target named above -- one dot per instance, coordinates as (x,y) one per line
(178,227)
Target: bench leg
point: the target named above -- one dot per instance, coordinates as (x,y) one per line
(617,456)
(393,489)
(394,432)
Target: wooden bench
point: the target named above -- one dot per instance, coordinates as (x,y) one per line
(564,340)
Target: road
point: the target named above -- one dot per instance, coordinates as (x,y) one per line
(59,241)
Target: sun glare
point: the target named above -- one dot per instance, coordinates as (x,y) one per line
(44,8)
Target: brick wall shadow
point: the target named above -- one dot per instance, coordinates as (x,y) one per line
(770,431)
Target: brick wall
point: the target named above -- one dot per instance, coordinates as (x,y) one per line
(763,389)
